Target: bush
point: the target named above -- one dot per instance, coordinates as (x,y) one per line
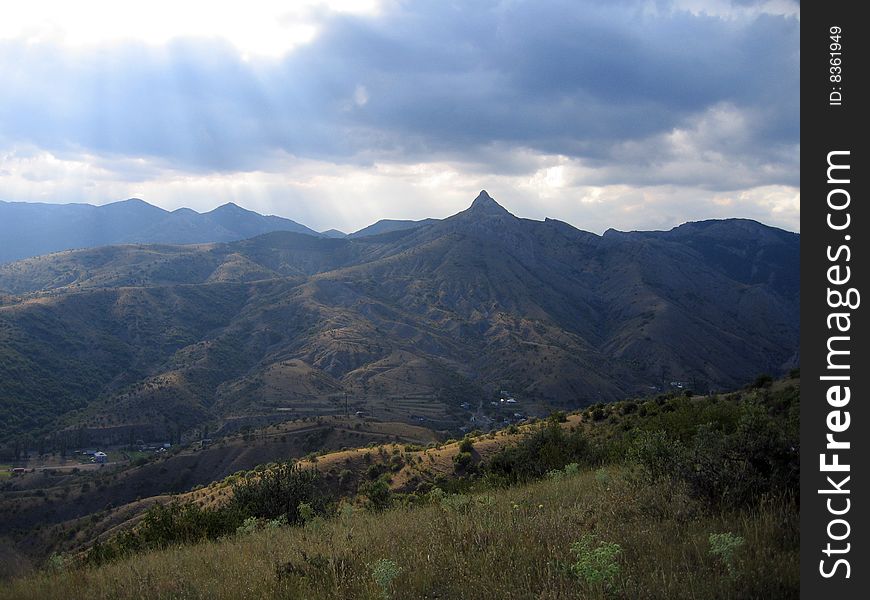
(547,449)
(762,381)
(656,453)
(558,416)
(466,445)
(378,494)
(760,457)
(747,450)
(725,545)
(384,571)
(279,491)
(456,502)
(249,525)
(166,525)
(345,477)
(462,461)
(596,563)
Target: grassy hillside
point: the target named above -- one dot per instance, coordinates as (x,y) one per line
(65,508)
(669,497)
(512,544)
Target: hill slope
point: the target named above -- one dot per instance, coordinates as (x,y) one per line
(408,324)
(655,482)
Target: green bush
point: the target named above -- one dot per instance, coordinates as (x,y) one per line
(384,571)
(462,461)
(547,449)
(725,545)
(595,563)
(166,525)
(656,453)
(377,494)
(279,491)
(747,449)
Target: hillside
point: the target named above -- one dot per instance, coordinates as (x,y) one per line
(429,325)
(72,501)
(690,496)
(388,225)
(33,229)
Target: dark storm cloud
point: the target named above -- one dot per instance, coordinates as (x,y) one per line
(421,81)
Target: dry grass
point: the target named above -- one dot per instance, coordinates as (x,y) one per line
(507,544)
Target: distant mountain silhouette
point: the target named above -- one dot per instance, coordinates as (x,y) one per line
(452,311)
(31,229)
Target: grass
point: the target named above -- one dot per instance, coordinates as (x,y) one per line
(512,543)
(699,508)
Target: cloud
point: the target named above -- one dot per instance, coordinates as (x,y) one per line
(613,101)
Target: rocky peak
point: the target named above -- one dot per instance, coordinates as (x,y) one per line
(484,204)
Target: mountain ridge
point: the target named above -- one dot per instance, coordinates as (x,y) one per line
(409,323)
(33,229)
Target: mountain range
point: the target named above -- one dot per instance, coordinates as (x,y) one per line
(431,321)
(33,229)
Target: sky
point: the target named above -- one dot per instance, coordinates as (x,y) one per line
(610,113)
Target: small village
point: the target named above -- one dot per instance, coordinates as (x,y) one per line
(83,459)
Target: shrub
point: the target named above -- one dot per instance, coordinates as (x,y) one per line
(555,474)
(466,445)
(762,381)
(345,477)
(165,525)
(374,471)
(558,416)
(760,457)
(462,461)
(456,502)
(279,491)
(596,563)
(656,453)
(602,476)
(384,571)
(725,545)
(435,495)
(277,523)
(572,469)
(58,563)
(378,494)
(547,449)
(249,525)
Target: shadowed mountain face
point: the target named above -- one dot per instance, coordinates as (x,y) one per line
(30,229)
(387,225)
(447,312)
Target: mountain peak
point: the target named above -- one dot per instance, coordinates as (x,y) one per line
(485,204)
(230,206)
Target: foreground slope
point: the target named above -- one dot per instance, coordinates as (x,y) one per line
(636,499)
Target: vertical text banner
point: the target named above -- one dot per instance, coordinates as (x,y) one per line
(835,421)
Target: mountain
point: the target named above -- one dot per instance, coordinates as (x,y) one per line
(32,229)
(428,324)
(333,233)
(388,225)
